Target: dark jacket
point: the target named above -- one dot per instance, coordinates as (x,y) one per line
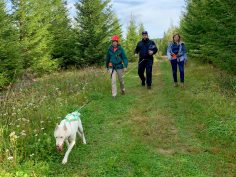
(143,47)
(117,59)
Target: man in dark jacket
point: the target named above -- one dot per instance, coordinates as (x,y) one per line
(146,49)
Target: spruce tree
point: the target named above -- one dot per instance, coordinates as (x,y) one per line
(93,30)
(32,21)
(117,29)
(141,29)
(208,27)
(10,60)
(63,41)
(132,39)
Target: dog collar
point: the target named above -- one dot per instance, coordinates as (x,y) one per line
(74,116)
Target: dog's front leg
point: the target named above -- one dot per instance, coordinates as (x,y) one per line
(71,145)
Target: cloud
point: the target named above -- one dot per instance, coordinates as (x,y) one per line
(157,15)
(130,2)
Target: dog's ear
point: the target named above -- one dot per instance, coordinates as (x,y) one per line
(65,128)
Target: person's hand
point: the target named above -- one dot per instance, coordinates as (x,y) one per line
(125,69)
(174,56)
(150,52)
(108,71)
(136,55)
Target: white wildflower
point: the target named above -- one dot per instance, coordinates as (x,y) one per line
(12,134)
(10,158)
(23,133)
(25,120)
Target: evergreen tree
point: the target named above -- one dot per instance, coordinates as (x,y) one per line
(117,29)
(63,40)
(32,20)
(95,21)
(167,38)
(132,39)
(208,27)
(141,29)
(10,61)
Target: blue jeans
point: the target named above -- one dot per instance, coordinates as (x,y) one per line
(145,64)
(174,64)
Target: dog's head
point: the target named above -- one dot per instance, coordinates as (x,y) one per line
(60,136)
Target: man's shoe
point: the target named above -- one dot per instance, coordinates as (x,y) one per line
(149,87)
(182,84)
(143,83)
(176,84)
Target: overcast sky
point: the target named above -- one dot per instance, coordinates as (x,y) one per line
(157,15)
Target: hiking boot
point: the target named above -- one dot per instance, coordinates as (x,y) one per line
(122,92)
(182,84)
(149,87)
(176,84)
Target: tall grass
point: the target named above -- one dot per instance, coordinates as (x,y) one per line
(29,115)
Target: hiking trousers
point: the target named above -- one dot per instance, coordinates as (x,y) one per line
(145,64)
(118,72)
(174,65)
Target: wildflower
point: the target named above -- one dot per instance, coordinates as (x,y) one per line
(10,158)
(23,133)
(13,136)
(31,155)
(25,120)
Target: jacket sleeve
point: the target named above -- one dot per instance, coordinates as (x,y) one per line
(154,48)
(137,49)
(124,58)
(107,59)
(169,51)
(183,51)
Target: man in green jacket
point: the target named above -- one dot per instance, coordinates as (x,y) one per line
(116,62)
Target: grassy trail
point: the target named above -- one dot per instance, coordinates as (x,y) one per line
(163,132)
(154,133)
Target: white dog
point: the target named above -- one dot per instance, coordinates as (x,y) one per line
(66,132)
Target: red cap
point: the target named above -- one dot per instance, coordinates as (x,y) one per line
(115,38)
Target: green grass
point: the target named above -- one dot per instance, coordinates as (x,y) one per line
(163,132)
